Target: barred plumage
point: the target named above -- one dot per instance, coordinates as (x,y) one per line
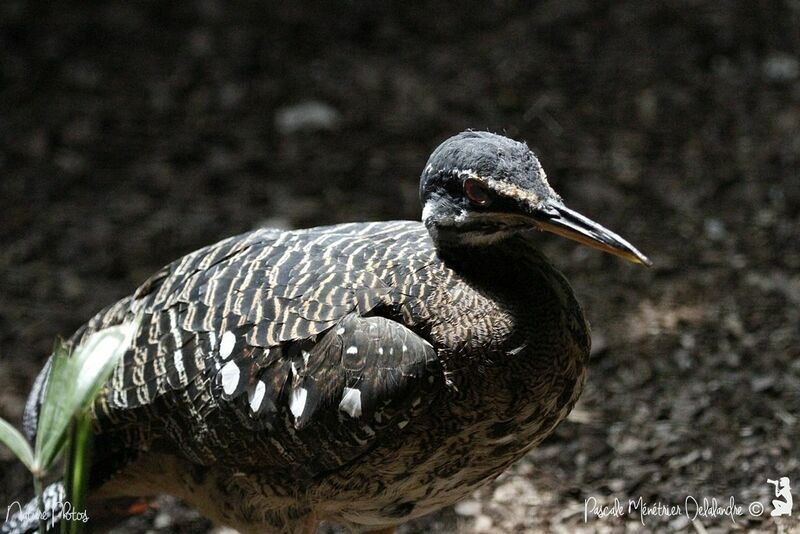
(364,373)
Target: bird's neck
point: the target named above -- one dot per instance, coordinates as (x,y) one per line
(494,260)
(518,283)
(520,326)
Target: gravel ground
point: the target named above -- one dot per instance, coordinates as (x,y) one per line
(131,133)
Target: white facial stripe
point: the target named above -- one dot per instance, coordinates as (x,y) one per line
(429,212)
(508,189)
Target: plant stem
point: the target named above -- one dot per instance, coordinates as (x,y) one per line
(37,488)
(77,472)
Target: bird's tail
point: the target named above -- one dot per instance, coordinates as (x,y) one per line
(23,518)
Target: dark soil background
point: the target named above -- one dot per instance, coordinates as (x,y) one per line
(134,132)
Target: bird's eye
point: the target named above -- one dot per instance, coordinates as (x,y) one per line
(477,192)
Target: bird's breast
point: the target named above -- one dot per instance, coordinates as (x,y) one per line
(514,351)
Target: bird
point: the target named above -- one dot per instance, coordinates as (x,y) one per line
(363,374)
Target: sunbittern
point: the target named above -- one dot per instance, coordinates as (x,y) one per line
(363,373)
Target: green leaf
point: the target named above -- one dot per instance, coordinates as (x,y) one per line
(15,441)
(54,411)
(73,383)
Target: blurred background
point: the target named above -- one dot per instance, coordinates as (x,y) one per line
(134,132)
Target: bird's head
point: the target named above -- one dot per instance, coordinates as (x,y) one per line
(479,187)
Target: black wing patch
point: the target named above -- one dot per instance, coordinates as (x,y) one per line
(364,368)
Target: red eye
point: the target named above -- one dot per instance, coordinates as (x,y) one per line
(477,192)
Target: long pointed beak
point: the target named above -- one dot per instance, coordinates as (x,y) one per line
(555,217)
